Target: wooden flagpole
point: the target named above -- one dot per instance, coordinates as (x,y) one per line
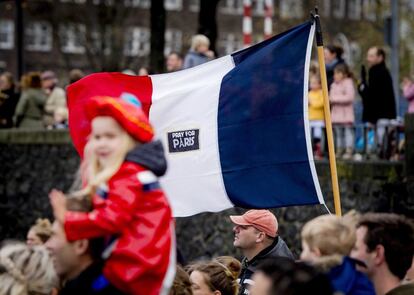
(328,123)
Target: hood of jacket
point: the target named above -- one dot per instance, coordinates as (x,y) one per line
(149,155)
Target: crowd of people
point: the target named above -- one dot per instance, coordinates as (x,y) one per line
(113,232)
(379,115)
(355,254)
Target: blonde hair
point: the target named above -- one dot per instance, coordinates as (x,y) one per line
(198,40)
(97,175)
(332,235)
(217,276)
(43,229)
(26,270)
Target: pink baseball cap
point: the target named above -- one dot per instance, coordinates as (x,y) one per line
(263,220)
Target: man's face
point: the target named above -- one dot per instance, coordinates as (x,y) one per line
(372,57)
(245,236)
(48,83)
(65,259)
(361,252)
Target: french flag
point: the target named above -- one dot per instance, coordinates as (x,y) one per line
(235,130)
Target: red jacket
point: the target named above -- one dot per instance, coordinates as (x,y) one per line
(136,210)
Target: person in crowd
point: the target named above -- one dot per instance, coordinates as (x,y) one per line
(342,96)
(280,275)
(60,118)
(75,75)
(256,235)
(213,278)
(56,96)
(333,57)
(144,71)
(199,52)
(78,263)
(174,62)
(407,86)
(385,246)
(30,108)
(377,93)
(26,270)
(316,114)
(129,207)
(327,240)
(8,100)
(231,263)
(39,233)
(182,283)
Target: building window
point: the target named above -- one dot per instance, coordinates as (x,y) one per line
(103,2)
(291,9)
(326,8)
(173,41)
(338,9)
(137,42)
(6,34)
(354,9)
(72,38)
(137,3)
(39,36)
(194,5)
(173,4)
(230,43)
(258,7)
(101,44)
(369,8)
(231,7)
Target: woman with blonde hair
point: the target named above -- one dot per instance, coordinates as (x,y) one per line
(327,241)
(26,270)
(39,233)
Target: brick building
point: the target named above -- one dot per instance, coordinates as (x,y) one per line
(98,35)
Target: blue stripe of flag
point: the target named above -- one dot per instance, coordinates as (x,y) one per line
(262,145)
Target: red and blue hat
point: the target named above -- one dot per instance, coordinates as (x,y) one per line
(114,95)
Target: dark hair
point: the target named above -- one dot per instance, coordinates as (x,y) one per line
(396,234)
(290,278)
(176,53)
(381,52)
(337,50)
(343,68)
(34,80)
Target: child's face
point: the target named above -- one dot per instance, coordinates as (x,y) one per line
(202,48)
(107,140)
(308,254)
(338,76)
(315,84)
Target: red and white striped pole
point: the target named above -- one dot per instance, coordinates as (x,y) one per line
(247,23)
(268,14)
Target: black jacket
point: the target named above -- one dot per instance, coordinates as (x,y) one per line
(277,249)
(378,95)
(89,282)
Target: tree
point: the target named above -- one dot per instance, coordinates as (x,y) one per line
(157,35)
(207,21)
